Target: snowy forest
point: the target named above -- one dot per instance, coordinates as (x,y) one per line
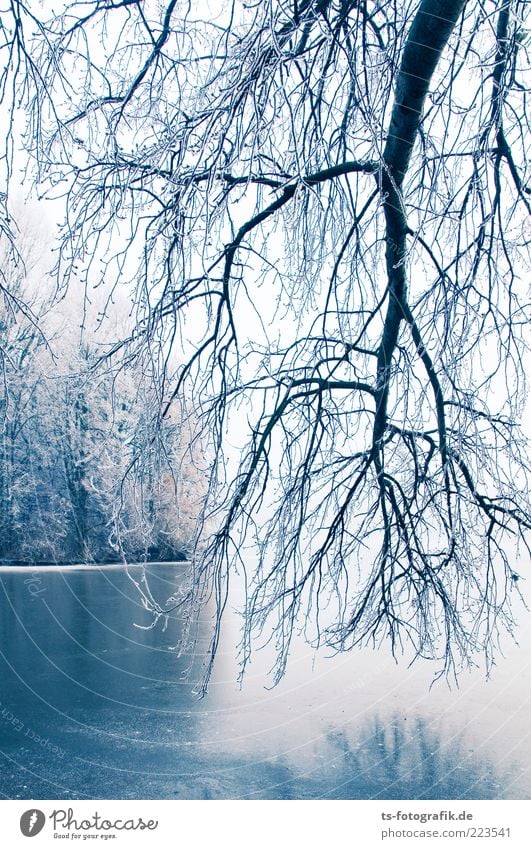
(82,478)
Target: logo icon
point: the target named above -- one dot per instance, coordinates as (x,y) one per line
(32,822)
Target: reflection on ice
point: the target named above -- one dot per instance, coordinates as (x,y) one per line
(79,678)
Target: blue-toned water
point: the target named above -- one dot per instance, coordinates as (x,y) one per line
(91,706)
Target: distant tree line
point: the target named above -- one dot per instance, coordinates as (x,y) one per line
(81,480)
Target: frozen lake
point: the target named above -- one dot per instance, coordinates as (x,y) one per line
(93,707)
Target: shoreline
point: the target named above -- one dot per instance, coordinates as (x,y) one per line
(92,567)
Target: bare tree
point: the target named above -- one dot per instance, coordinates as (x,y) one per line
(320,207)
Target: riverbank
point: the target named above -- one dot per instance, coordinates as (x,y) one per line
(87,567)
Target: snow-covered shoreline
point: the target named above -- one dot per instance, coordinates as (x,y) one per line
(91,567)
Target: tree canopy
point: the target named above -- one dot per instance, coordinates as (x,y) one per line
(320,210)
